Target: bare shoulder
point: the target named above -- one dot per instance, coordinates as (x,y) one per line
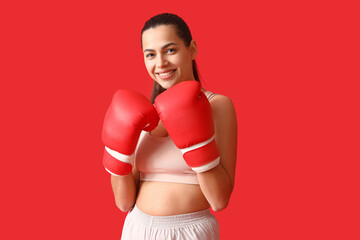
(222,106)
(224,115)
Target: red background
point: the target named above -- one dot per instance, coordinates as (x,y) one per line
(290,67)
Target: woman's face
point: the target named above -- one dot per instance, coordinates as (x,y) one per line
(167,59)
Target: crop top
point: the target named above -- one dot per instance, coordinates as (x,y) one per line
(158,159)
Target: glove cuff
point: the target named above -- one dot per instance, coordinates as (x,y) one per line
(203,156)
(116,163)
(207,166)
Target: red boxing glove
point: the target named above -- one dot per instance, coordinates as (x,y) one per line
(129,113)
(186,114)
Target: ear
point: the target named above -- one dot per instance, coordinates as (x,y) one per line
(193,49)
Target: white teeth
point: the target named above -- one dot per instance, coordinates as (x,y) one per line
(165,74)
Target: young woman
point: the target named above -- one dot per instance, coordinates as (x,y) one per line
(173,158)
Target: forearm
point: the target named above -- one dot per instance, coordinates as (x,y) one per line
(216,187)
(125,190)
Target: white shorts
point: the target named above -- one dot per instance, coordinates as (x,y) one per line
(198,225)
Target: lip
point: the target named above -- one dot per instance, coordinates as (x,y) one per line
(167,76)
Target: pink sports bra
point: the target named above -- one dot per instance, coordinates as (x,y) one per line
(158,159)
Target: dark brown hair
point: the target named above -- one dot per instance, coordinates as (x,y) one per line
(183,33)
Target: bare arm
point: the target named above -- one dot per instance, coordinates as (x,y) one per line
(125,190)
(217,184)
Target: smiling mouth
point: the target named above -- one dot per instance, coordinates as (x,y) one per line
(164,74)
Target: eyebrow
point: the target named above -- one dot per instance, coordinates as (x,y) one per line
(165,46)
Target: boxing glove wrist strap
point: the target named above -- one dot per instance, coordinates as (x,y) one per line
(199,145)
(207,166)
(121,157)
(116,163)
(198,155)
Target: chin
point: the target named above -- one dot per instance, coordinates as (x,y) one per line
(167,84)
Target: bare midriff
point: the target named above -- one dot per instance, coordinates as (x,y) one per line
(164,199)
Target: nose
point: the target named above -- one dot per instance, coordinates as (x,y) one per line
(161,61)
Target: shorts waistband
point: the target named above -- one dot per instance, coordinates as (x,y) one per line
(172,221)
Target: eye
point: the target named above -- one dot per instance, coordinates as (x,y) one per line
(149,55)
(170,50)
